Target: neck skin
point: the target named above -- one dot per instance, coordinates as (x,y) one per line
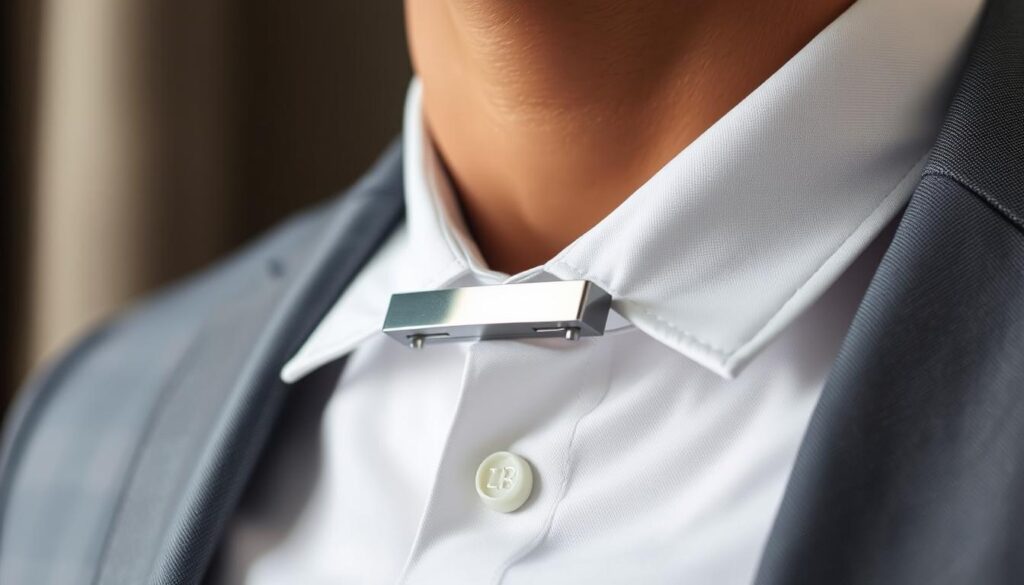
(549,114)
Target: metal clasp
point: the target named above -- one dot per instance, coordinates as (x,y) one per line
(567,309)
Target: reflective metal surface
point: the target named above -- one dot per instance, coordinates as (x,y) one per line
(567,309)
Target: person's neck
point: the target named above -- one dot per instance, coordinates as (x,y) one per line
(549,114)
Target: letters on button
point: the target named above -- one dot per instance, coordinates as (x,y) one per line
(504,481)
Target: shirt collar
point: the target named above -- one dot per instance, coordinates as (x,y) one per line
(746,227)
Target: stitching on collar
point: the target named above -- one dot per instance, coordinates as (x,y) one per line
(727,353)
(684,333)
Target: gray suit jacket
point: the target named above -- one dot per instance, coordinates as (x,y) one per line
(122,463)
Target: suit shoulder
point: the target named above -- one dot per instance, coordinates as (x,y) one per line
(145,338)
(71,434)
(95,422)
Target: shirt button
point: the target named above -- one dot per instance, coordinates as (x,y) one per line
(504,481)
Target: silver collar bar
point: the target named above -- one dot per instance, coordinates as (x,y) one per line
(568,309)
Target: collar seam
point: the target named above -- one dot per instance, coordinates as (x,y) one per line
(917,166)
(728,353)
(436,183)
(445,278)
(688,335)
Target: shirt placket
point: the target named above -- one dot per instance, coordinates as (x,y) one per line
(521,397)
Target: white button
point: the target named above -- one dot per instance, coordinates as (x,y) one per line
(504,481)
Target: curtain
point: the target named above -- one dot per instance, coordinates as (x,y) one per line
(146,138)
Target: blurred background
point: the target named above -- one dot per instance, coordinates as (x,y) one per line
(143,139)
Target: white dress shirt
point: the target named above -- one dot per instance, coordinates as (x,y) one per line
(661,450)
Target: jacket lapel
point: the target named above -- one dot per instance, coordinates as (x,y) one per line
(218,409)
(912,469)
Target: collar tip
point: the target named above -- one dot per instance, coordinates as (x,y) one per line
(724,369)
(292,373)
(310,359)
(732,367)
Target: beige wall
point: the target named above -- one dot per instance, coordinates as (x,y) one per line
(153,136)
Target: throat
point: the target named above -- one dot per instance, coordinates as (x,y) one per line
(549,115)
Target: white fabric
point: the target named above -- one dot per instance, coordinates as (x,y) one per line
(661,450)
